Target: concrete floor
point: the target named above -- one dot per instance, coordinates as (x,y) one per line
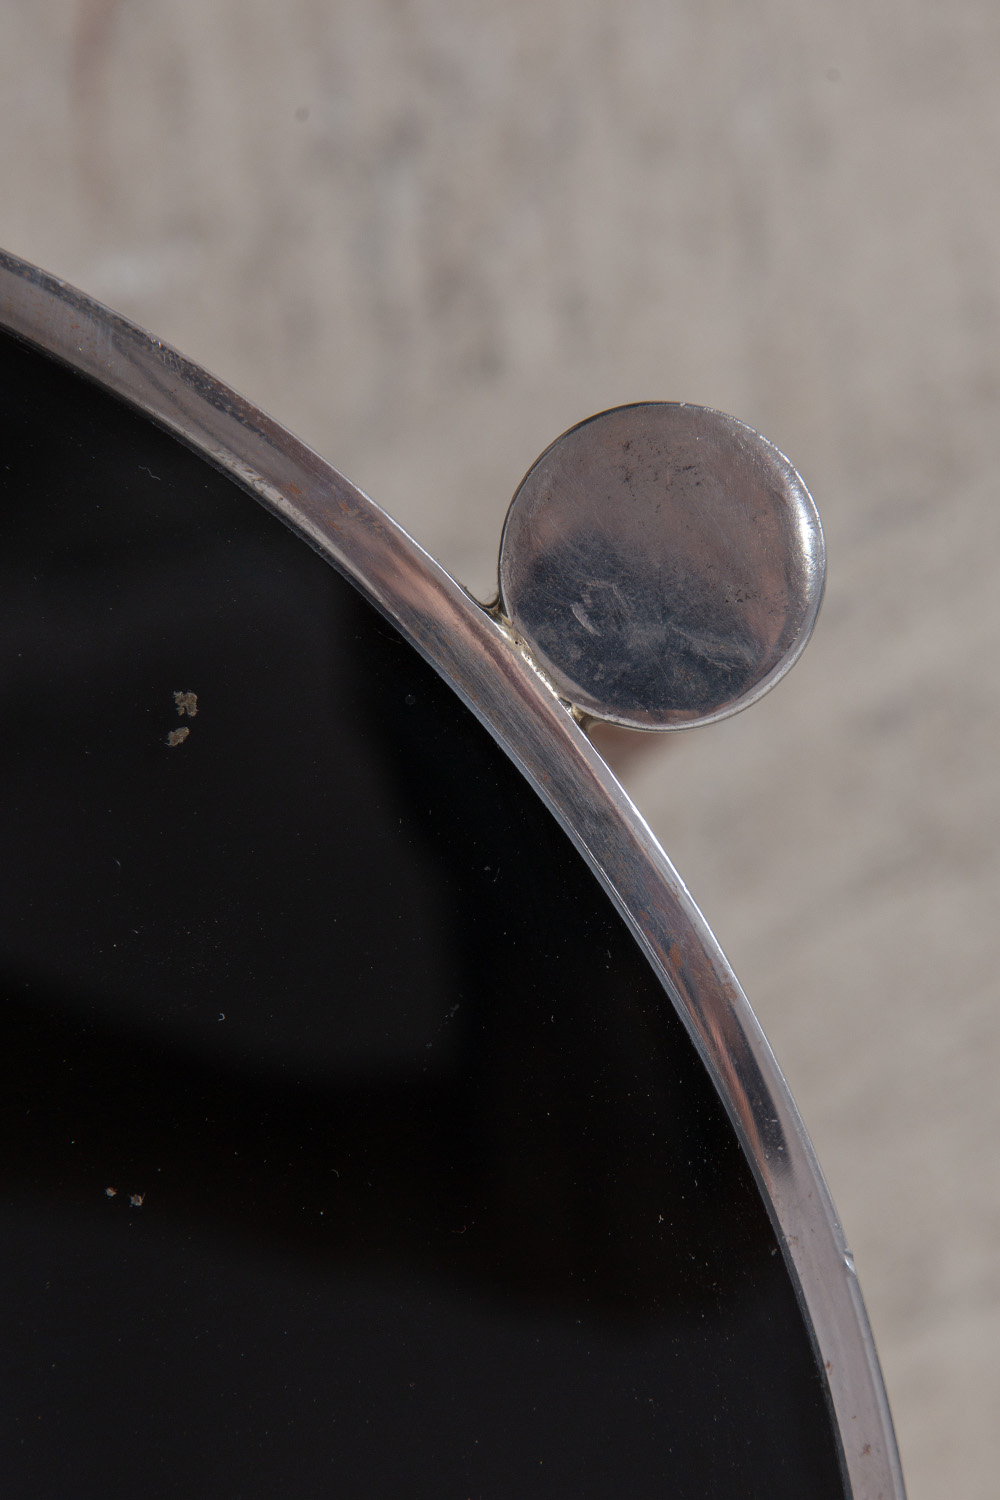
(429,237)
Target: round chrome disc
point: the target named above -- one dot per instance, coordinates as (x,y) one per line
(663,563)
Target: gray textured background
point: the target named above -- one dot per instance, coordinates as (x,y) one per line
(429,236)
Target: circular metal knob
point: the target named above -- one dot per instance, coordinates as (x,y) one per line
(663,563)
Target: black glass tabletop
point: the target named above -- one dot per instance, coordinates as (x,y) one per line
(351,1147)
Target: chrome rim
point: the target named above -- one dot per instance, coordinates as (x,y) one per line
(481,660)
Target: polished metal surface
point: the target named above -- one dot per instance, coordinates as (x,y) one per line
(479,656)
(663,564)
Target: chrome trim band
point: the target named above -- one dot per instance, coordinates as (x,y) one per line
(475,654)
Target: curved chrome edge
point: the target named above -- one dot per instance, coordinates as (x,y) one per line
(479,660)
